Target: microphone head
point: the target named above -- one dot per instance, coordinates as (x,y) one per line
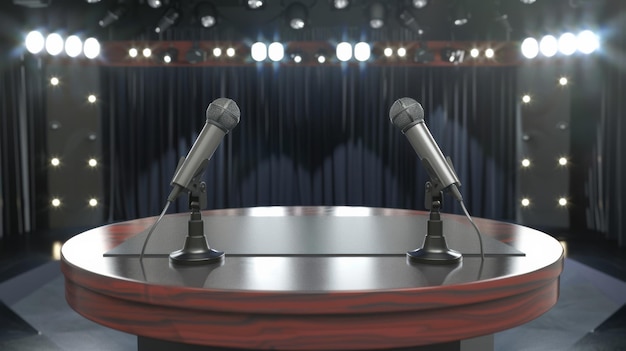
(223,113)
(405,113)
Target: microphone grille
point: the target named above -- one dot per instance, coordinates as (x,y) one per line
(406,112)
(223,113)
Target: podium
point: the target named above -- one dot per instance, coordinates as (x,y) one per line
(312,278)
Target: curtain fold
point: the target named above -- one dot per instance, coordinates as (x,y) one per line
(314,135)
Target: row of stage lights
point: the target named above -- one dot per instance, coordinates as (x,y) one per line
(54,44)
(585,42)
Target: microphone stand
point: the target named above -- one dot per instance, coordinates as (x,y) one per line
(196,250)
(434,250)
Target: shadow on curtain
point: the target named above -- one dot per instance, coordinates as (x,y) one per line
(308,136)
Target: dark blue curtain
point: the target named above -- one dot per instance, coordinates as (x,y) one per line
(309,135)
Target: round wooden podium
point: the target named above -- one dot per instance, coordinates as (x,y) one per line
(311,278)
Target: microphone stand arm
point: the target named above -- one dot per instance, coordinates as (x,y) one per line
(196,249)
(434,250)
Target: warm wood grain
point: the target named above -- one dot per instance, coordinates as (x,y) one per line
(312,303)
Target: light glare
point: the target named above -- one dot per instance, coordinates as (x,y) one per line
(401,52)
(526,99)
(525,162)
(91,48)
(56,202)
(587,42)
(258,51)
(563,201)
(344,51)
(567,44)
(362,51)
(54,44)
(530,48)
(276,51)
(525,202)
(562,161)
(55,161)
(73,46)
(34,42)
(92,162)
(548,46)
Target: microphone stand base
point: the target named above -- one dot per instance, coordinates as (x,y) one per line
(183,257)
(435,251)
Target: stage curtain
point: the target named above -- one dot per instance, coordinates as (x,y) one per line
(23,184)
(309,135)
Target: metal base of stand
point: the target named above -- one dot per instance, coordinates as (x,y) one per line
(195,256)
(435,251)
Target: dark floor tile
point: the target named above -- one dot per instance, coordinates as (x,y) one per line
(609,336)
(13,326)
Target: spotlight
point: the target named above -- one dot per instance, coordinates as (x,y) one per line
(207,15)
(276,51)
(340,4)
(93,202)
(548,46)
(55,202)
(170,55)
(297,15)
(388,52)
(563,161)
(92,99)
(530,48)
(344,51)
(230,52)
(296,56)
(452,55)
(526,99)
(563,81)
(92,162)
(55,162)
(34,42)
(474,52)
(91,48)
(195,54)
(320,56)
(525,202)
(54,81)
(155,4)
(401,52)
(525,163)
(73,46)
(54,44)
(423,55)
(147,52)
(362,51)
(255,4)
(562,202)
(528,2)
(567,44)
(168,20)
(112,16)
(217,52)
(587,42)
(377,15)
(461,15)
(258,51)
(410,22)
(132,52)
(419,4)
(489,53)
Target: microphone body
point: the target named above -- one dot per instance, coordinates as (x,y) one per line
(222,116)
(408,115)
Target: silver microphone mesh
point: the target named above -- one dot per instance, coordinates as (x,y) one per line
(224,113)
(406,112)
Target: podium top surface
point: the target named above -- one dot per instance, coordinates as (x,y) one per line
(515,283)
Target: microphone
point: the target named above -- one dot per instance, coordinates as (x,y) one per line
(408,115)
(222,115)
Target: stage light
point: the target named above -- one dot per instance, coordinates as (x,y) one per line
(258,51)
(170,55)
(54,44)
(93,202)
(401,52)
(92,99)
(169,19)
(525,202)
(255,4)
(54,81)
(296,57)
(548,46)
(525,163)
(147,52)
(55,202)
(230,52)
(112,16)
(92,162)
(474,52)
(489,53)
(388,52)
(297,15)
(567,44)
(588,42)
(563,81)
(461,15)
(155,4)
(563,161)
(377,15)
(132,52)
(91,48)
(528,2)
(563,202)
(407,19)
(217,52)
(73,46)
(34,42)
(526,99)
(207,15)
(340,4)
(420,4)
(530,48)
(362,51)
(55,161)
(276,51)
(343,51)
(321,57)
